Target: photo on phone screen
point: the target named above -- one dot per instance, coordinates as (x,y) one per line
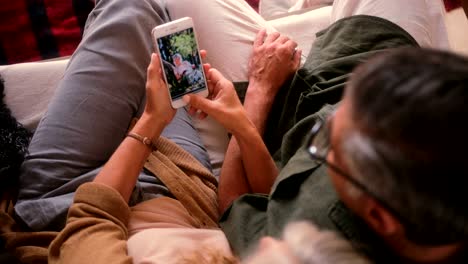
(182,65)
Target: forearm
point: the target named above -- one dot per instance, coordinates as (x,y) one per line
(233,181)
(258,106)
(260,169)
(124,166)
(248,167)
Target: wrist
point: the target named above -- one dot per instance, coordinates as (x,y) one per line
(148,127)
(258,107)
(248,135)
(259,98)
(260,94)
(260,86)
(244,129)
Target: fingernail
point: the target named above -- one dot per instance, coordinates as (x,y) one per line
(186,99)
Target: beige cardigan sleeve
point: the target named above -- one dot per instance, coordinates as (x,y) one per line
(96,229)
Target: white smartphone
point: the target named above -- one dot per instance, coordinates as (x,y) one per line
(177,45)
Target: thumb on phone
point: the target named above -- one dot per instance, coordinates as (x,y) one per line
(200,103)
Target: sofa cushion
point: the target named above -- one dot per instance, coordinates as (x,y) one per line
(29,88)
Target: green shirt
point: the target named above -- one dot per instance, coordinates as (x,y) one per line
(303,190)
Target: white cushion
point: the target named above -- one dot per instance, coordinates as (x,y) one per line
(302,27)
(270,9)
(29,88)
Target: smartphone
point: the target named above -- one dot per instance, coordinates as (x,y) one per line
(177,45)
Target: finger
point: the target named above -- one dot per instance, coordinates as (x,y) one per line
(203,54)
(161,77)
(192,111)
(297,57)
(282,39)
(155,73)
(206,67)
(156,62)
(210,89)
(151,72)
(198,102)
(260,38)
(202,115)
(214,76)
(291,44)
(272,37)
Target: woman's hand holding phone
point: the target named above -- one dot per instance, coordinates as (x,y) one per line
(158,110)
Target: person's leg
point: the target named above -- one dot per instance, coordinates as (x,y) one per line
(183,132)
(423,19)
(102,90)
(226,29)
(303,27)
(274,8)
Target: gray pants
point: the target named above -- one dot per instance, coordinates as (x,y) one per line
(89,115)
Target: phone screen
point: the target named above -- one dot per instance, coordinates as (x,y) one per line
(182,65)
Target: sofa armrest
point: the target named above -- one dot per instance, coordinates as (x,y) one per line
(29,88)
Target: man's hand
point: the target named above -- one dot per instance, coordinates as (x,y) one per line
(158,105)
(274,60)
(222,103)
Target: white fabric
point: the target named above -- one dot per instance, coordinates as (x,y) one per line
(175,245)
(273,8)
(29,88)
(225,28)
(307,4)
(302,27)
(423,19)
(269,9)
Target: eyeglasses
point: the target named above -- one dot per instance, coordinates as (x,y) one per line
(318,146)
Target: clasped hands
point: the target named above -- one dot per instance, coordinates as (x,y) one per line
(275,58)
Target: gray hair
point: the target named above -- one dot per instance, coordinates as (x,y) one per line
(177,55)
(409,148)
(309,245)
(313,246)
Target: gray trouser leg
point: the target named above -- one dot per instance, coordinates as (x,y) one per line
(88,117)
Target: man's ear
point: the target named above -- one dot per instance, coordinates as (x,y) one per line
(380,219)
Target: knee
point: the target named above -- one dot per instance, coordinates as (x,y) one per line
(134,9)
